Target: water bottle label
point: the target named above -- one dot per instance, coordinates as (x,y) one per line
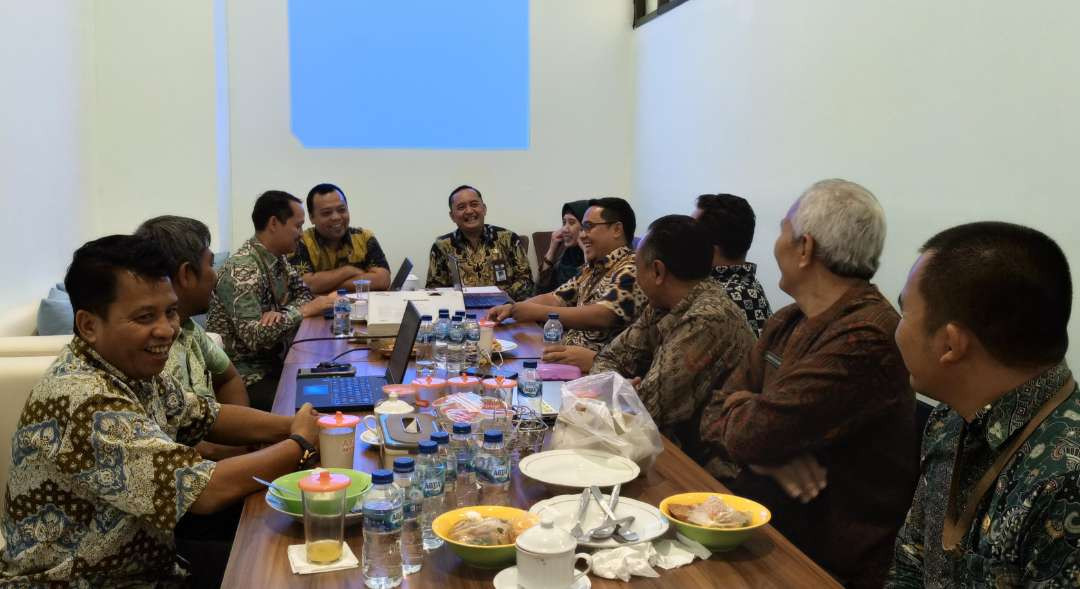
(383,520)
(497,472)
(464,462)
(433,486)
(530,390)
(411,508)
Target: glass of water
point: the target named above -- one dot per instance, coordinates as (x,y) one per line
(360,305)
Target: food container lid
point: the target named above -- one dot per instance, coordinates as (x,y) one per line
(324,481)
(429,382)
(546,538)
(464,380)
(486,323)
(399,389)
(393,405)
(499,383)
(338,420)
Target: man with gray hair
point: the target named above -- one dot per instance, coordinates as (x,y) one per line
(817,422)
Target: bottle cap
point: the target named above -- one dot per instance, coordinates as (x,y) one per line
(404,464)
(470,315)
(462,428)
(529,364)
(342,292)
(553,315)
(428,447)
(425,318)
(493,435)
(444,313)
(440,438)
(382,477)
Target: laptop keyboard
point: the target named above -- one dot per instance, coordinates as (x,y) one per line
(351,392)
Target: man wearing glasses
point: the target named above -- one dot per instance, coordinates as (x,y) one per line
(599,303)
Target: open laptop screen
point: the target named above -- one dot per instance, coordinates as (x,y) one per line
(402,275)
(406,336)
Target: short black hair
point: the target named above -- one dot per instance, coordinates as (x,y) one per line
(319,190)
(616,210)
(91,278)
(730,222)
(1008,284)
(681,243)
(181,238)
(450,199)
(272,203)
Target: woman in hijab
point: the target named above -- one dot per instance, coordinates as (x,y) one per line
(564,257)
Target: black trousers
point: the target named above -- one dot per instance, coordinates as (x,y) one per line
(203,543)
(262,393)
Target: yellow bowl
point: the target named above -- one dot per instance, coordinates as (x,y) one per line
(717,539)
(485,557)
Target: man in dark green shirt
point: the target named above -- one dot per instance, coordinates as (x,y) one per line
(985,309)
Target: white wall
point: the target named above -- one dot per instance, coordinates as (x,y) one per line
(948,111)
(582,115)
(158,111)
(44,52)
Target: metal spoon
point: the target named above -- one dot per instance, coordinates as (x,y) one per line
(281,491)
(611,523)
(605,530)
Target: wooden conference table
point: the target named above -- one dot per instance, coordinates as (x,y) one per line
(259,559)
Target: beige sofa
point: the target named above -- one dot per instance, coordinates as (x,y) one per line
(18,374)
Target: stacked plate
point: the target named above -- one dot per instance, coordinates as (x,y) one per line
(648,522)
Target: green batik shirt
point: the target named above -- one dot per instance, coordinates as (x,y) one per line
(498,260)
(680,354)
(194,360)
(1026,531)
(252,282)
(103,467)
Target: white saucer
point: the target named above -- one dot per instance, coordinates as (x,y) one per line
(507,579)
(506,345)
(370,437)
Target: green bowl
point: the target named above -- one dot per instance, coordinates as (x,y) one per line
(361,482)
(717,539)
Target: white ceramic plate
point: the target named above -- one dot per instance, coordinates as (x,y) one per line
(507,345)
(579,468)
(370,437)
(649,523)
(353,517)
(508,579)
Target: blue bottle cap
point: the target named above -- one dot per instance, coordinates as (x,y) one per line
(470,315)
(462,428)
(342,291)
(529,364)
(425,318)
(493,435)
(440,438)
(382,477)
(428,447)
(553,315)
(444,313)
(404,464)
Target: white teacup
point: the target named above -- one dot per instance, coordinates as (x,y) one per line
(546,559)
(389,406)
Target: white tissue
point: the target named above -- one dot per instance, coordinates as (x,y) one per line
(639,559)
(300,565)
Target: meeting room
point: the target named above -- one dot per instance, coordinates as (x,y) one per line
(539,294)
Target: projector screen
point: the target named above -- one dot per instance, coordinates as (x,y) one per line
(425,74)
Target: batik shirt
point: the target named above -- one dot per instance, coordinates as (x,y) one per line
(102,468)
(194,360)
(680,354)
(499,259)
(611,282)
(740,282)
(252,282)
(357,248)
(1026,531)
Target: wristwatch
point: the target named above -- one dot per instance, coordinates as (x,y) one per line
(308,454)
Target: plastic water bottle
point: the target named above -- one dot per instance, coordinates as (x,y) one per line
(425,355)
(529,387)
(493,470)
(412,540)
(342,309)
(455,350)
(383,516)
(553,330)
(472,340)
(461,446)
(431,472)
(449,461)
(442,331)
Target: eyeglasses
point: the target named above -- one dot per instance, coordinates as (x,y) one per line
(589,225)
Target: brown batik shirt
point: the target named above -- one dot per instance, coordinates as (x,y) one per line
(103,466)
(611,282)
(833,386)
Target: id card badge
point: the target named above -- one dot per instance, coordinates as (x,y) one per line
(500,271)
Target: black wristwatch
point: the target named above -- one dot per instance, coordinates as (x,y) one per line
(308,454)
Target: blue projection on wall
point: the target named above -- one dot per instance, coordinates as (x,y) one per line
(425,74)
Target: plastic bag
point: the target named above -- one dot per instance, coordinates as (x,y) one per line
(603,412)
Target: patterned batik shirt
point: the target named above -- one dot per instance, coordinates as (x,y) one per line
(357,248)
(741,283)
(102,468)
(679,354)
(1026,531)
(194,360)
(251,282)
(499,259)
(611,282)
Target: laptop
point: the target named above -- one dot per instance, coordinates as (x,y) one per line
(402,275)
(359,393)
(474,300)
